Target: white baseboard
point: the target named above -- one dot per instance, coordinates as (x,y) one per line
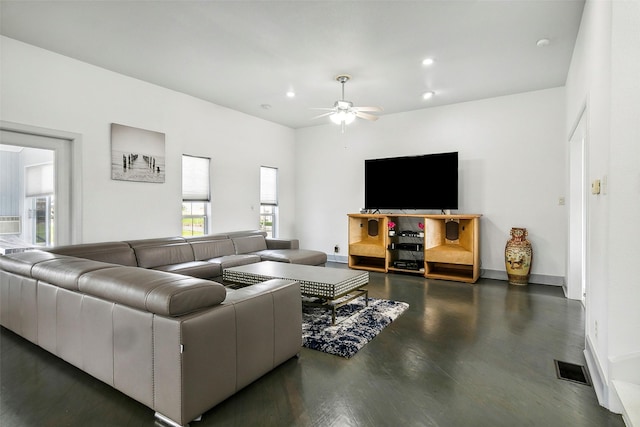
(337,258)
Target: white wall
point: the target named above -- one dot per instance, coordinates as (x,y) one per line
(604,77)
(44,89)
(511,162)
(624,179)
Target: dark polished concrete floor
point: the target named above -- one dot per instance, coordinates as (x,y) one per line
(462,355)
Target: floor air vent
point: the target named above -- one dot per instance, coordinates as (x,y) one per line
(572,372)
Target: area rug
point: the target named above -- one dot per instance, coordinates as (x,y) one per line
(355,326)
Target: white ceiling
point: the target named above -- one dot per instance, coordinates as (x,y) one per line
(245,54)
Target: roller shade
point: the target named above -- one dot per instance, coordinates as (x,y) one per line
(268,186)
(39,180)
(195,179)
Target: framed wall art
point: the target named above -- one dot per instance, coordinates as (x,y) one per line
(137,154)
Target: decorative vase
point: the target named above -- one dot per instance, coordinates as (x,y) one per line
(518,256)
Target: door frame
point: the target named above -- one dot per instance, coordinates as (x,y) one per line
(67,147)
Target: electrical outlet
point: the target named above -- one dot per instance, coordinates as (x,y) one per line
(336,248)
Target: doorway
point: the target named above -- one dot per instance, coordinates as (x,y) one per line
(577,257)
(40,194)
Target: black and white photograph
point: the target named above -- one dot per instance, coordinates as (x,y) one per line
(137,154)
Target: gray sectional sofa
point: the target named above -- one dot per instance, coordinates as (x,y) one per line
(142,317)
(202,256)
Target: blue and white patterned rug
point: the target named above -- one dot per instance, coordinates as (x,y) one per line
(355,326)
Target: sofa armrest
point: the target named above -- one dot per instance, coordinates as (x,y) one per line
(202,358)
(282,243)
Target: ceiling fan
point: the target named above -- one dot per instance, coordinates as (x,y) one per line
(343,112)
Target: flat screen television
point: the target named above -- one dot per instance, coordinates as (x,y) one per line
(428,181)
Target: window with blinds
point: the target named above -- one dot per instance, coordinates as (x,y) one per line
(195,179)
(269,200)
(196,195)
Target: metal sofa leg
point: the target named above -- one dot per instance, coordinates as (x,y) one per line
(168,421)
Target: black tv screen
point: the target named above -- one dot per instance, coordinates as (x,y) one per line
(415,182)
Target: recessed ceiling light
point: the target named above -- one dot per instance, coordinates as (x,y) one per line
(291,94)
(428,95)
(543,42)
(427,61)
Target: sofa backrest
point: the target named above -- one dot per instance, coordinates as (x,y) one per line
(245,233)
(208,249)
(111,252)
(65,272)
(155,291)
(150,256)
(249,244)
(154,242)
(22,263)
(207,237)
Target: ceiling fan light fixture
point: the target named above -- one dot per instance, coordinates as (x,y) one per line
(349,117)
(336,118)
(343,112)
(346,117)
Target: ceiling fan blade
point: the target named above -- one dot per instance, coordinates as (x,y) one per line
(322,108)
(366,116)
(322,115)
(379,109)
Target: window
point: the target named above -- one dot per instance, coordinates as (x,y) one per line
(196,196)
(269,200)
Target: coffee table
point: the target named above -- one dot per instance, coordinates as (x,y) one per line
(324,286)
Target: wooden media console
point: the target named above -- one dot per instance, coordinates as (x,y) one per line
(436,246)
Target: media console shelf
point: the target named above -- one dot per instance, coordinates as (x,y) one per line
(436,246)
(368,242)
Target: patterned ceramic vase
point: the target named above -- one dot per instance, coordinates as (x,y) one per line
(517,257)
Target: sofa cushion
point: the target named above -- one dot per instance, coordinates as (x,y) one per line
(235,260)
(158,292)
(294,256)
(208,249)
(200,269)
(164,254)
(248,244)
